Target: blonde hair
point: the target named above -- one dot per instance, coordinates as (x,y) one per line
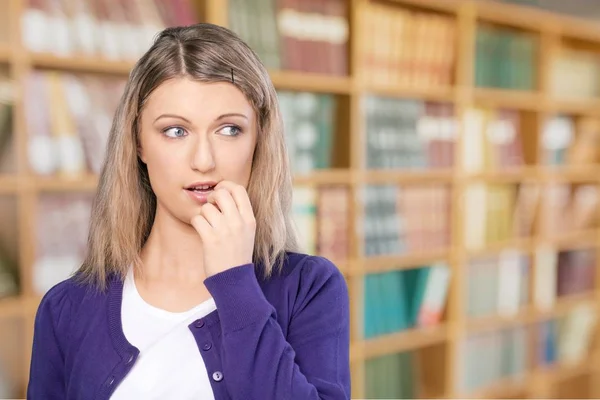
(124,206)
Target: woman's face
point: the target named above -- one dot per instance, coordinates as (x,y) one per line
(192,136)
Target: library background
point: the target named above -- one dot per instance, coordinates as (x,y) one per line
(445,157)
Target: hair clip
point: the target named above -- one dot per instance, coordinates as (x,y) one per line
(232,81)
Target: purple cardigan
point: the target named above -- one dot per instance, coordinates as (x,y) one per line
(282,338)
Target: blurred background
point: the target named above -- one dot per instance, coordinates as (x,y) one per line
(445,157)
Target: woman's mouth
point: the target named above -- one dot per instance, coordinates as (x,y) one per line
(202,188)
(199,192)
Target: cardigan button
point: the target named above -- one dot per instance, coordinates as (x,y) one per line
(207,346)
(130,359)
(199,323)
(217,376)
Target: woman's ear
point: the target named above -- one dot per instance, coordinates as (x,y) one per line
(140,153)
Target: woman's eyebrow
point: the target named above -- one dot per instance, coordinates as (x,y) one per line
(231,115)
(172,116)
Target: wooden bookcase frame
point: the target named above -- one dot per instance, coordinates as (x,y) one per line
(551,28)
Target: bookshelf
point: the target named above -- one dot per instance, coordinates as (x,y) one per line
(462,97)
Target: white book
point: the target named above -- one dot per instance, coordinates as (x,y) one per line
(509,282)
(545,279)
(473,139)
(434,298)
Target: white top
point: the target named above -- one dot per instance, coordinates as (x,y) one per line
(169,365)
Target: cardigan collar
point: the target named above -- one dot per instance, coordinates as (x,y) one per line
(115,324)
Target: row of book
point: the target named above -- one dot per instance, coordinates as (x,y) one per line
(7,95)
(108,29)
(62,222)
(61,232)
(492,139)
(563,273)
(9,251)
(68,119)
(400,133)
(403,299)
(405,219)
(501,284)
(322,218)
(497,213)
(408,134)
(568,140)
(505,59)
(568,208)
(408,48)
(309,126)
(484,358)
(13,338)
(490,356)
(575,73)
(567,339)
(393,376)
(308,36)
(501,212)
(497,284)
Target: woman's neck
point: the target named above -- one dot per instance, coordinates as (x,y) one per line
(173,252)
(172,276)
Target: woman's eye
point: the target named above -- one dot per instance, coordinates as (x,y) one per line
(231,130)
(174,132)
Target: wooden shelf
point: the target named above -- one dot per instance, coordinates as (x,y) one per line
(446,6)
(9,184)
(89,182)
(564,304)
(325,177)
(578,28)
(85,183)
(13,307)
(515,16)
(508,175)
(462,95)
(577,106)
(525,316)
(562,371)
(410,339)
(301,81)
(572,240)
(511,99)
(506,388)
(525,245)
(4,53)
(379,264)
(80,64)
(394,176)
(569,174)
(529,314)
(434,93)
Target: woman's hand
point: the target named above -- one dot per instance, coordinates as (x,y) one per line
(227,227)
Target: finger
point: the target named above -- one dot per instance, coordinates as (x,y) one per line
(241,198)
(224,201)
(211,214)
(202,226)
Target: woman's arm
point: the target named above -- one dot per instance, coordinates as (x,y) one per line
(46,374)
(258,361)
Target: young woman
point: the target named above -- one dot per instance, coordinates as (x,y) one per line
(193,287)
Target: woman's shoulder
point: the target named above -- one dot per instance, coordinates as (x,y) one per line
(308,275)
(67,297)
(301,265)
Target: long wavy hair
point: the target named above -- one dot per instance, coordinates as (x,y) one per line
(124,205)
